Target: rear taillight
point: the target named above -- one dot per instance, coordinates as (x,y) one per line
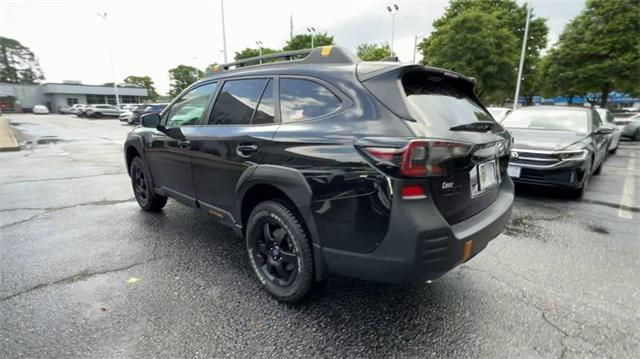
(419,158)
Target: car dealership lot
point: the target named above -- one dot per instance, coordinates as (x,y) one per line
(85,272)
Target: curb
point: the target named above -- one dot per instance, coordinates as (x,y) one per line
(8,141)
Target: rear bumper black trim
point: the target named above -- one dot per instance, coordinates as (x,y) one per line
(421,245)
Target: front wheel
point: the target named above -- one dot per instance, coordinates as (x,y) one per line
(143,189)
(579,192)
(636,135)
(279,251)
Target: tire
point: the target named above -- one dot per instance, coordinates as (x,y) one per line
(97,115)
(599,169)
(579,192)
(279,252)
(143,188)
(636,135)
(613,151)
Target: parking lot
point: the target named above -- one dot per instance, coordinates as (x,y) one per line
(85,272)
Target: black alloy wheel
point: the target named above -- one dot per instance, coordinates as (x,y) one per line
(275,254)
(279,251)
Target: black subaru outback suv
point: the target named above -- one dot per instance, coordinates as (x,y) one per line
(324,164)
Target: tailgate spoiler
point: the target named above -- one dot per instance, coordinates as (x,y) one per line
(382,79)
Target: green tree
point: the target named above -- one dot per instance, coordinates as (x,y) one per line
(303,41)
(181,77)
(373,52)
(18,64)
(249,52)
(512,17)
(146,82)
(598,51)
(476,44)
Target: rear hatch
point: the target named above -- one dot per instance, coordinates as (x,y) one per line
(459,152)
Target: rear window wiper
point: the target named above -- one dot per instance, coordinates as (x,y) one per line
(478,126)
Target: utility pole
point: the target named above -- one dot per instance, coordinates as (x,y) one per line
(291,27)
(522,54)
(103,15)
(393,10)
(224,35)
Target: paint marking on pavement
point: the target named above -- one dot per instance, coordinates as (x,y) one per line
(628,190)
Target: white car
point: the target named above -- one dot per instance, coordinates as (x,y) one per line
(103,110)
(499,113)
(608,121)
(40,109)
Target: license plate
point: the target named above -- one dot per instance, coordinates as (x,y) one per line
(514,171)
(483,177)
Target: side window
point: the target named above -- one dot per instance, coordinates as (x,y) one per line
(303,99)
(237,102)
(189,108)
(266,110)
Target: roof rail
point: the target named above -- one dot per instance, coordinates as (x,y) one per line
(318,55)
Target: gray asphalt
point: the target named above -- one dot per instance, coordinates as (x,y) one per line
(85,273)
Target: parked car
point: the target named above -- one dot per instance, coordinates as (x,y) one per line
(608,121)
(81,110)
(40,109)
(499,113)
(557,146)
(96,111)
(382,171)
(629,126)
(135,113)
(75,109)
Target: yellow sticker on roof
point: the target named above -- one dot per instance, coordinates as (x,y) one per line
(326,51)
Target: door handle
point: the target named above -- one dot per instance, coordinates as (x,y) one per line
(184,144)
(246,150)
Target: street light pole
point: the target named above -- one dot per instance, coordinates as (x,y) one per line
(259,43)
(103,15)
(522,54)
(393,10)
(312,30)
(224,35)
(415,45)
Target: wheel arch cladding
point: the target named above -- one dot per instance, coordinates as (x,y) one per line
(133,147)
(264,182)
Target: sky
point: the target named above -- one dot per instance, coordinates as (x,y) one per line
(146,37)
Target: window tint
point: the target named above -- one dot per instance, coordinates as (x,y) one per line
(440,102)
(303,99)
(190,107)
(236,102)
(266,109)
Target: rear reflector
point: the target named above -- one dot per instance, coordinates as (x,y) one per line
(413,192)
(466,254)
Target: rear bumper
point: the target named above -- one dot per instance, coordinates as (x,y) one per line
(420,244)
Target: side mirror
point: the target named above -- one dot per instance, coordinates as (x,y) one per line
(604,130)
(151,120)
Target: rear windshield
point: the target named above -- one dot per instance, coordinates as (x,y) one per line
(555,120)
(438,101)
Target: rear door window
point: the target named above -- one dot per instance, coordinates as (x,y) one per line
(237,102)
(303,100)
(436,100)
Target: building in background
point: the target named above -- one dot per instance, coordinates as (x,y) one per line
(22,98)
